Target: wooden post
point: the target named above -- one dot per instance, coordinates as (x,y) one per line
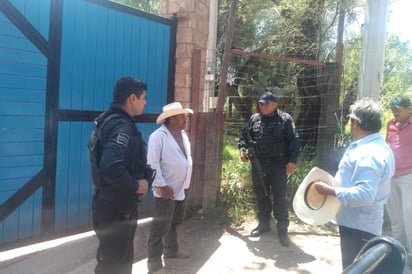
(327,155)
(214,140)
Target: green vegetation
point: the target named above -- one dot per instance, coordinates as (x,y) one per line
(306,161)
(237,196)
(151,6)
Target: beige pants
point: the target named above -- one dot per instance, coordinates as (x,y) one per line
(399,208)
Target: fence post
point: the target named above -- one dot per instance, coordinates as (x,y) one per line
(326,153)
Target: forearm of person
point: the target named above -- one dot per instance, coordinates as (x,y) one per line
(116,173)
(293,145)
(154,154)
(325,189)
(363,186)
(356,196)
(123,183)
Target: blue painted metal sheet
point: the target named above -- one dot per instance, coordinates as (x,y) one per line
(100,45)
(74,187)
(37,12)
(101,42)
(22,102)
(25,221)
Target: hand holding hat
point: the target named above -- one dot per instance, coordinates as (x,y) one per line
(324,189)
(310,203)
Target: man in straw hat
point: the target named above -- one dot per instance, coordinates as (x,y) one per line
(169,153)
(399,138)
(363,176)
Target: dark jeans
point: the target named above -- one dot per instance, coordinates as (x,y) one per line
(351,242)
(167,216)
(275,181)
(115,232)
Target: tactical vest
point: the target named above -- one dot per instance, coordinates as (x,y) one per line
(269,134)
(95,146)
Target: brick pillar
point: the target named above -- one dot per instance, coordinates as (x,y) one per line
(191,47)
(192,33)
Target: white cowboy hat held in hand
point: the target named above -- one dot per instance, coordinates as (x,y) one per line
(312,207)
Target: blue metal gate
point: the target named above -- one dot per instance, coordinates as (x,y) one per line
(59,60)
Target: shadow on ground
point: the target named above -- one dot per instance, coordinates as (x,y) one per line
(217,247)
(214,246)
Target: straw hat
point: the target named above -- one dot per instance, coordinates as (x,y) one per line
(172,109)
(309,205)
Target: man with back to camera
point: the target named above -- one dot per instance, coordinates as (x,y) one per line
(118,163)
(399,138)
(277,148)
(363,176)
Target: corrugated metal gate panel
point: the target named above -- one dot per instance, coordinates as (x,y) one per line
(101,41)
(22,100)
(25,221)
(99,45)
(37,12)
(128,43)
(74,188)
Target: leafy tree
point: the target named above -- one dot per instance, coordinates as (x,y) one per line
(351,65)
(248,77)
(151,6)
(296,29)
(397,68)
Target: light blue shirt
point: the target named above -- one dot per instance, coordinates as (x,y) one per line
(174,168)
(364,176)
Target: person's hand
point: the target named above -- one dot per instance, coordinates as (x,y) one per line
(167,192)
(243,156)
(143,186)
(290,168)
(324,189)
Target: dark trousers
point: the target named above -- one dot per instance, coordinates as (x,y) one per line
(275,181)
(167,216)
(115,232)
(351,242)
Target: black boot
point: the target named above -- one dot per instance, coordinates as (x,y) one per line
(260,229)
(283,238)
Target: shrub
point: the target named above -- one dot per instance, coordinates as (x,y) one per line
(237,195)
(306,162)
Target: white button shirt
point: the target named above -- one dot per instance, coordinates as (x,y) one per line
(174,168)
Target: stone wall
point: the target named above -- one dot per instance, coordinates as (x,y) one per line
(192,33)
(191,48)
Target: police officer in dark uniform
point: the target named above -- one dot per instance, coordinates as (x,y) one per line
(118,161)
(272,136)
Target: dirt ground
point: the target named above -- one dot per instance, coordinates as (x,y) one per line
(215,247)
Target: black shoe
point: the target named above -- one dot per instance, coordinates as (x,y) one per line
(178,255)
(160,271)
(260,229)
(283,238)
